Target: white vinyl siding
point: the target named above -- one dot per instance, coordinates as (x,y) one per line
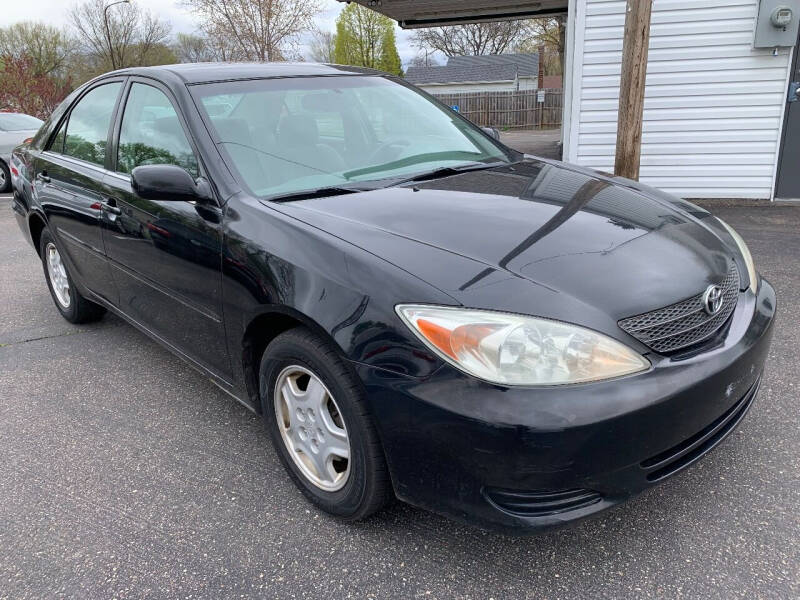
(713,104)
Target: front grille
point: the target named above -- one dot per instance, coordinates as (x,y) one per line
(688,451)
(541,503)
(685,323)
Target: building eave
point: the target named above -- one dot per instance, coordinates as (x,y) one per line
(411,14)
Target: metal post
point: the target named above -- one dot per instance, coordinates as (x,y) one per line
(108,32)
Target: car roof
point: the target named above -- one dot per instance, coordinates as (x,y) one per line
(207,72)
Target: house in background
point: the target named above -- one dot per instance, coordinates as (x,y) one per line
(552,82)
(493,73)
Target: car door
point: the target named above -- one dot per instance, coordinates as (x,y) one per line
(165,255)
(68,183)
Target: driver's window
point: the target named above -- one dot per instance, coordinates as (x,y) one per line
(151,133)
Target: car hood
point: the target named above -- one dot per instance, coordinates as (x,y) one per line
(534,237)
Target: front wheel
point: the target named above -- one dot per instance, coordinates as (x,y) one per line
(69,301)
(314,409)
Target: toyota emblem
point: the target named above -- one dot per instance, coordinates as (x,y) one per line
(712,299)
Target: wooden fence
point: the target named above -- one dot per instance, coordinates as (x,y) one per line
(529,109)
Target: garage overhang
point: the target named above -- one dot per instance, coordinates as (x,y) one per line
(433,13)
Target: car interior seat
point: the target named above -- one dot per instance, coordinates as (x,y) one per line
(298,143)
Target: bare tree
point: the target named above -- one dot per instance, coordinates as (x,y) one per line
(547,33)
(191,48)
(425,58)
(322,46)
(472,38)
(135,33)
(260,29)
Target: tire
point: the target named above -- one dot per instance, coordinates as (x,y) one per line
(5,178)
(356,490)
(68,300)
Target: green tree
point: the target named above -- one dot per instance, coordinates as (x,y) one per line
(158,54)
(48,48)
(390,59)
(365,38)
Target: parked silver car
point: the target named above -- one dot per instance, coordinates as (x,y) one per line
(15,128)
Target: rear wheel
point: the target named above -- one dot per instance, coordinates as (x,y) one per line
(314,408)
(68,300)
(5,178)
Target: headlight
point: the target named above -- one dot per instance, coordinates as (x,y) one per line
(513,349)
(745,251)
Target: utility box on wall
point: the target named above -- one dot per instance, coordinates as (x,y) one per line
(776,24)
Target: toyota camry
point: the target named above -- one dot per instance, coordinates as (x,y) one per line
(416,310)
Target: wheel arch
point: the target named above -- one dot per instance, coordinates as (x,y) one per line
(264,327)
(36,224)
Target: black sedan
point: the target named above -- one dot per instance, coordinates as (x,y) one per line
(416,310)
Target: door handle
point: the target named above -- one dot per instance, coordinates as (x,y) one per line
(111,207)
(42,176)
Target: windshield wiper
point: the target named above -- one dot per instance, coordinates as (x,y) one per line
(447,171)
(323,192)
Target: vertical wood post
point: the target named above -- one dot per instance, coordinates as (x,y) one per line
(631,89)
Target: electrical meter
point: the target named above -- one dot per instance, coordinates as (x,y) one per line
(781,17)
(776,24)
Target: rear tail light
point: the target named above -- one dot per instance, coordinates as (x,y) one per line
(27,141)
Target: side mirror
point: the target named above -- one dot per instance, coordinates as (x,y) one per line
(492,131)
(168,182)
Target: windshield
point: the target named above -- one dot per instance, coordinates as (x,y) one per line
(296,134)
(18,122)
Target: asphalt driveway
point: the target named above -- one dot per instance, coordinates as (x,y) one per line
(541,142)
(125,474)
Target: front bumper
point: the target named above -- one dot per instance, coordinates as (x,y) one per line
(522,459)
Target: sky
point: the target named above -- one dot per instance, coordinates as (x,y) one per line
(54,12)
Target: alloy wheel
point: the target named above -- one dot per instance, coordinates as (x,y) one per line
(312,428)
(58,275)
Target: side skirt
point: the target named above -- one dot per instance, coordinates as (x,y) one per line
(217,380)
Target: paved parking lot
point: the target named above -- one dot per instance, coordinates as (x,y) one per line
(541,142)
(125,474)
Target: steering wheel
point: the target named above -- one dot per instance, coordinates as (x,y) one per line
(384,153)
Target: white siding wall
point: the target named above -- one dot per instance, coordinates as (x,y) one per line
(713,104)
(501,86)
